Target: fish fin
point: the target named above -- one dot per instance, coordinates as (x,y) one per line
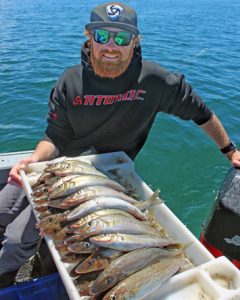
(153,200)
(179,246)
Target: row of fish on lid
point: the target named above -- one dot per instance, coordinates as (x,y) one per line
(105,235)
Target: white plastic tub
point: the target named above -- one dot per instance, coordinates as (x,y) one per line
(203,282)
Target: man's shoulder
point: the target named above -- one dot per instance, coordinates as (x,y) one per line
(72,71)
(154,69)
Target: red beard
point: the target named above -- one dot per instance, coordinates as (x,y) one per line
(109,69)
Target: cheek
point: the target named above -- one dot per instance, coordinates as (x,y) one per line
(96,49)
(126,51)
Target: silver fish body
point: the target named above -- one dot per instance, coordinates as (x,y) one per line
(127,264)
(91,192)
(129,242)
(78,169)
(96,191)
(112,224)
(141,283)
(60,181)
(81,182)
(100,203)
(97,214)
(67,163)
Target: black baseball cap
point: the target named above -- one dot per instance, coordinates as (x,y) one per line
(115,15)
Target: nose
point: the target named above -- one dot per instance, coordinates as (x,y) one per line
(111,43)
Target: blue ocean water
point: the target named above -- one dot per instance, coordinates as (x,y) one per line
(40,39)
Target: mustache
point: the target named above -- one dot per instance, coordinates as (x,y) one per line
(113,52)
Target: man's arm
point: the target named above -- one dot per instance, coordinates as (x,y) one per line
(44,151)
(218,134)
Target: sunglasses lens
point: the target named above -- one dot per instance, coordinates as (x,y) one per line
(101,36)
(122,38)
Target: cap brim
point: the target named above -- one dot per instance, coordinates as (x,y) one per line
(127,27)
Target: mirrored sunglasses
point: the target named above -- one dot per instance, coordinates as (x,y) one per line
(121,38)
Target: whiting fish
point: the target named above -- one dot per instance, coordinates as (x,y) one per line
(100,203)
(127,264)
(83,181)
(129,242)
(141,283)
(113,224)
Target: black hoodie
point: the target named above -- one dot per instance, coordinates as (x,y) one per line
(116,114)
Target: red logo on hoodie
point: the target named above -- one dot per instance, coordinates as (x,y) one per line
(91,100)
(77,101)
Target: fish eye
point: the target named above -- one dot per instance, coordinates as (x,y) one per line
(89,223)
(90,262)
(113,297)
(86,245)
(109,280)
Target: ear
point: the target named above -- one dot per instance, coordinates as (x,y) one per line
(136,42)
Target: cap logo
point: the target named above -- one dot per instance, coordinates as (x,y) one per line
(114,11)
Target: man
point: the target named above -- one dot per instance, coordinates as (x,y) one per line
(108,103)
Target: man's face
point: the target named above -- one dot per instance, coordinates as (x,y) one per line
(110,60)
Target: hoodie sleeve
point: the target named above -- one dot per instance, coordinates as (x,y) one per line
(59,130)
(181,101)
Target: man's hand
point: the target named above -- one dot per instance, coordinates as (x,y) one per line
(235,159)
(14,175)
(44,151)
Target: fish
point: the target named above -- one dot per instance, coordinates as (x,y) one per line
(110,253)
(53,222)
(44,214)
(51,181)
(141,283)
(86,194)
(113,224)
(127,264)
(70,257)
(39,190)
(81,182)
(63,233)
(95,262)
(51,167)
(60,181)
(70,267)
(102,202)
(99,213)
(57,203)
(74,238)
(42,179)
(62,248)
(82,247)
(71,169)
(130,242)
(83,283)
(41,207)
(41,199)
(91,192)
